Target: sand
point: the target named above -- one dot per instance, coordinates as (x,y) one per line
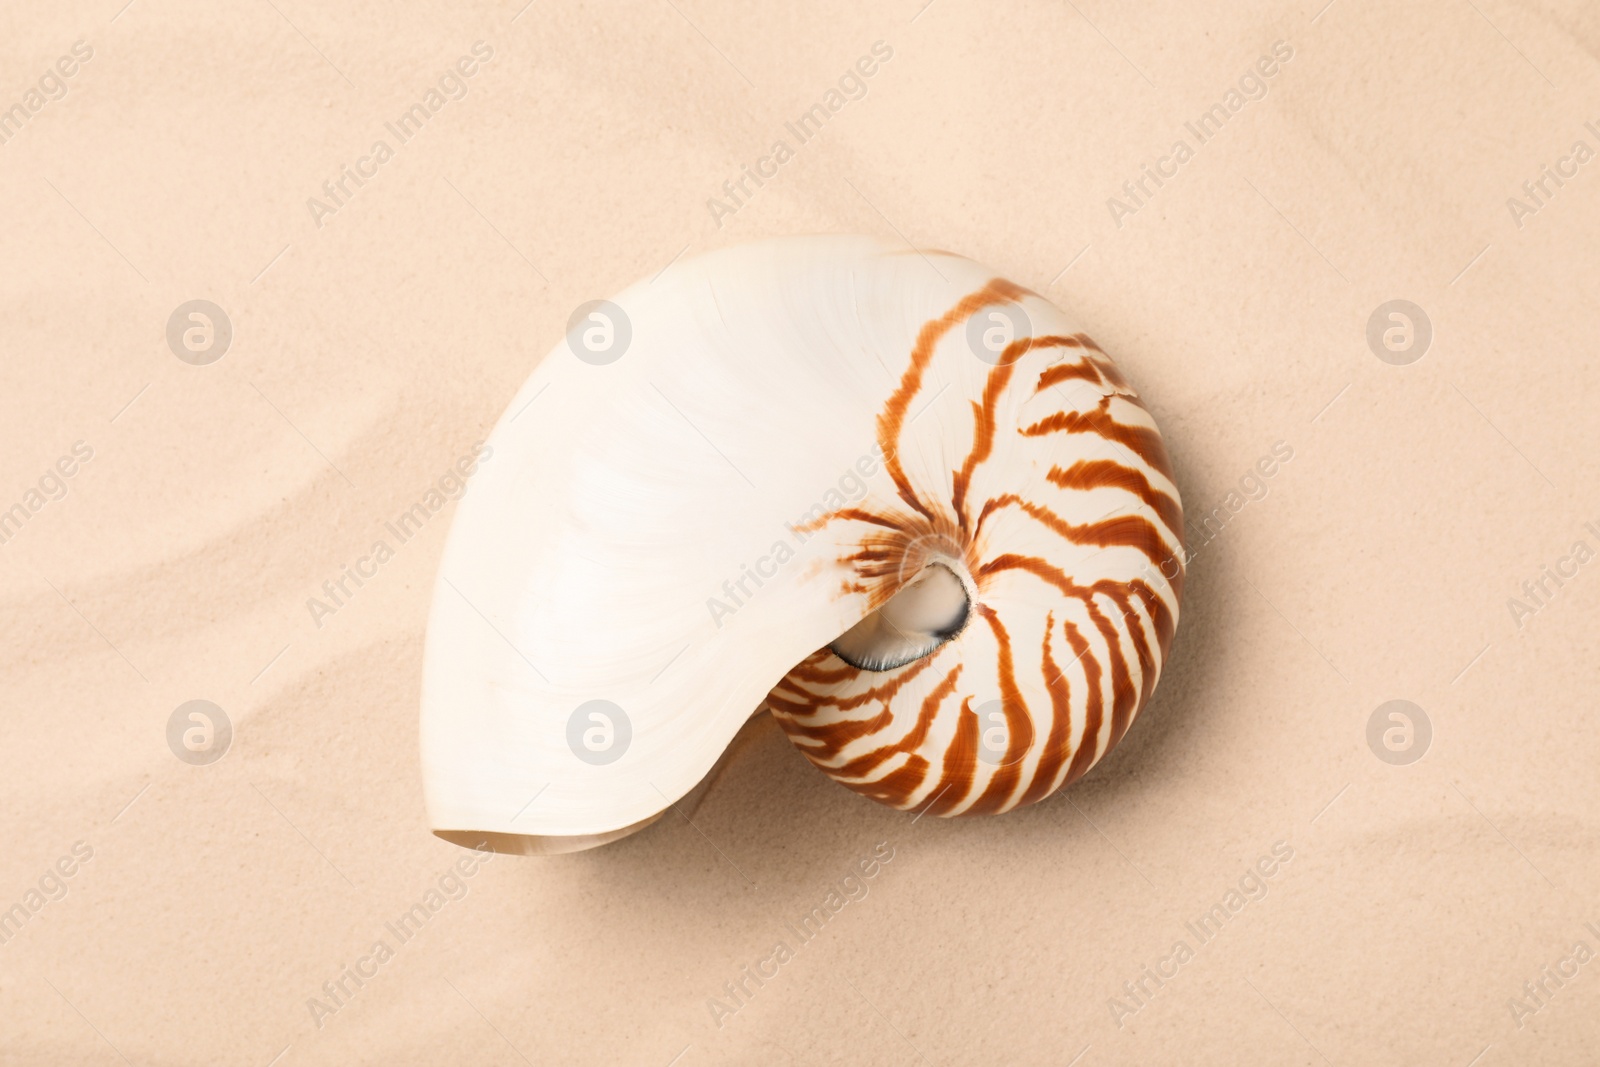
(1373,910)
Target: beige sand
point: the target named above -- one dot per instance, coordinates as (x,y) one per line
(371,351)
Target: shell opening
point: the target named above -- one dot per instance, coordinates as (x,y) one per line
(928,611)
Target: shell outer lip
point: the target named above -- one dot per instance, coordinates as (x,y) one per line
(513,844)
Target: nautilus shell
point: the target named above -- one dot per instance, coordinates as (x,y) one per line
(899,502)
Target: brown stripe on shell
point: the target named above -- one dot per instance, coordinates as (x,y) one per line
(983,413)
(1019,725)
(1108,474)
(1143,441)
(1082,370)
(1127,699)
(1124,531)
(861,766)
(893,416)
(1057,744)
(884,692)
(958,769)
(1089,744)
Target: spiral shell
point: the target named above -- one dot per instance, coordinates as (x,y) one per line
(1074,614)
(900,502)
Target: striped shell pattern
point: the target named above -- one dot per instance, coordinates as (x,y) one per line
(1063,522)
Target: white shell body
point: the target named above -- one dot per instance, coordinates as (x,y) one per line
(665,542)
